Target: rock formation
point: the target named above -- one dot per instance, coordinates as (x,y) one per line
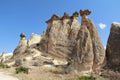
(27,46)
(113,47)
(83,52)
(33,40)
(89,52)
(98,49)
(61,35)
(20,49)
(66,39)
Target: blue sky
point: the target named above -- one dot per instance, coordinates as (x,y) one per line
(29,16)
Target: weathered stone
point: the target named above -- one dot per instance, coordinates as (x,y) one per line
(54,17)
(5,57)
(20,49)
(26,47)
(22,35)
(34,39)
(65,16)
(113,46)
(98,49)
(85,12)
(61,35)
(65,39)
(18,62)
(83,52)
(75,14)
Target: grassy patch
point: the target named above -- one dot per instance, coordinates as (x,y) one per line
(59,66)
(86,78)
(2,65)
(22,69)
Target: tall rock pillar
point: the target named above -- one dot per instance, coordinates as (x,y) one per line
(89,52)
(98,49)
(20,49)
(113,47)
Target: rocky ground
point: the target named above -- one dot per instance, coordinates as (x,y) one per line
(42,67)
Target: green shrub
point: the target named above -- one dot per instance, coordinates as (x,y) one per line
(2,65)
(59,66)
(86,78)
(22,69)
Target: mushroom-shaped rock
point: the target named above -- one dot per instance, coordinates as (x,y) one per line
(85,20)
(66,16)
(20,49)
(22,35)
(54,17)
(98,49)
(75,14)
(85,12)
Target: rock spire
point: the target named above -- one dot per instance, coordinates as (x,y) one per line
(113,47)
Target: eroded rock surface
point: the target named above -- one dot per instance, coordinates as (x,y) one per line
(90,52)
(27,47)
(83,52)
(98,49)
(20,49)
(113,47)
(61,35)
(67,39)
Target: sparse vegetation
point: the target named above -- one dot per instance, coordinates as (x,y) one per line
(22,69)
(2,65)
(59,66)
(86,78)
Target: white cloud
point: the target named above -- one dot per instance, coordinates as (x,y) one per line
(104,47)
(102,25)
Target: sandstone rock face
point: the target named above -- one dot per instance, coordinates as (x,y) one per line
(4,57)
(61,35)
(83,55)
(20,49)
(66,40)
(34,39)
(113,47)
(90,52)
(98,49)
(27,46)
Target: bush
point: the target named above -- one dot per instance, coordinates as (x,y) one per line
(87,78)
(22,69)
(2,65)
(59,66)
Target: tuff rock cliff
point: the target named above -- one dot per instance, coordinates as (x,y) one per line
(113,47)
(61,35)
(67,39)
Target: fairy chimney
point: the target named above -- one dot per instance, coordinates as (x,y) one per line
(22,35)
(75,15)
(84,14)
(54,17)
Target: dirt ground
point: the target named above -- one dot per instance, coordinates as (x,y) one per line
(47,73)
(42,73)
